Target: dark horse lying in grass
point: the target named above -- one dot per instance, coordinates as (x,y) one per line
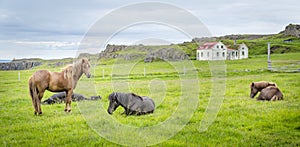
(66,81)
(61,97)
(132,103)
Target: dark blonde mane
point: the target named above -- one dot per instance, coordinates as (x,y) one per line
(74,71)
(68,71)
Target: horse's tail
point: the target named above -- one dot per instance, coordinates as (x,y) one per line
(32,89)
(34,94)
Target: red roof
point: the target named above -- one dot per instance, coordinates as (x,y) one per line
(207,45)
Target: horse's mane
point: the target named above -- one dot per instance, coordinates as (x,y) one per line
(73,68)
(133,94)
(74,71)
(68,71)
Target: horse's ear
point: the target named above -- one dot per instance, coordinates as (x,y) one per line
(252,85)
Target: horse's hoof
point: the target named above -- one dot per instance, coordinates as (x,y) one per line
(38,113)
(66,110)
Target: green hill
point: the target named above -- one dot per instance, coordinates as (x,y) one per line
(287,41)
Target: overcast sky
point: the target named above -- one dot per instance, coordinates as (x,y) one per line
(55,28)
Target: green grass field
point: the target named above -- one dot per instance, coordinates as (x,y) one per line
(241,121)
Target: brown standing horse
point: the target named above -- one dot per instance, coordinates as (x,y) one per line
(66,80)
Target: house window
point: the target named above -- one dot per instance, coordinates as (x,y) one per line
(236,53)
(207,54)
(243,53)
(232,53)
(201,54)
(221,46)
(217,46)
(217,54)
(223,54)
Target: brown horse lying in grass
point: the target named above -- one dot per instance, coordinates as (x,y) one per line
(256,87)
(66,81)
(270,93)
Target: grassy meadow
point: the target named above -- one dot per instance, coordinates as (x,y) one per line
(240,121)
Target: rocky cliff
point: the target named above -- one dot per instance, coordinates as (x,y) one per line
(146,53)
(292,29)
(167,54)
(19,65)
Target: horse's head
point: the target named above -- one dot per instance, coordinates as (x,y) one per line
(85,66)
(254,90)
(113,102)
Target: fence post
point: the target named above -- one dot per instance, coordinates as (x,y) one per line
(269,60)
(19,76)
(102,73)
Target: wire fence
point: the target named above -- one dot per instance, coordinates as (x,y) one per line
(284,65)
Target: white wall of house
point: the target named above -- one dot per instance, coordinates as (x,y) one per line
(204,54)
(243,51)
(217,52)
(232,54)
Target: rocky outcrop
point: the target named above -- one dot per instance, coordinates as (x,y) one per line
(110,51)
(292,29)
(168,54)
(146,53)
(19,65)
(59,64)
(243,37)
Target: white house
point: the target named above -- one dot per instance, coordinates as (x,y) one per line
(219,51)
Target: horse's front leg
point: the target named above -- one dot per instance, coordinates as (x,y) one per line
(68,100)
